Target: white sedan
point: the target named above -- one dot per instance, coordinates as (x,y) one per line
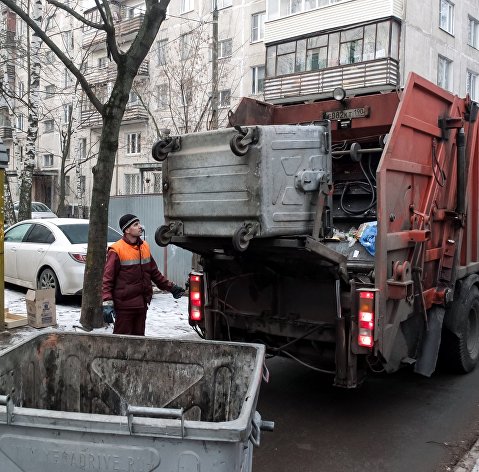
(49,253)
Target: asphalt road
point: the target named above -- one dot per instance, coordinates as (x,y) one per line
(394,423)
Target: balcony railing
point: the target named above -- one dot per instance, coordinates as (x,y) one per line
(133,113)
(108,74)
(6,132)
(125,30)
(380,74)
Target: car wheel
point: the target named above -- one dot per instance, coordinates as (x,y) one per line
(48,279)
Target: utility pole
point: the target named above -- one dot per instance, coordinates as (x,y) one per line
(214,69)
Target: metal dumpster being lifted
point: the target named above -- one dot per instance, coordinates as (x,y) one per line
(71,402)
(251,182)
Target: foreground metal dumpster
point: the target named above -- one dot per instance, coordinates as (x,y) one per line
(71,402)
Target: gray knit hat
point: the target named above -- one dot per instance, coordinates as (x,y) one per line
(126,221)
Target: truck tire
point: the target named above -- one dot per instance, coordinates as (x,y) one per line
(460,345)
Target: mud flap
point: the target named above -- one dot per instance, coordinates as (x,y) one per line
(431,341)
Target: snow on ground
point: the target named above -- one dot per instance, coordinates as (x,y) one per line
(166,318)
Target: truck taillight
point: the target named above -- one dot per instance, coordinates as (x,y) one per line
(366,318)
(196,300)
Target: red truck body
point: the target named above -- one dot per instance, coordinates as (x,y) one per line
(417,299)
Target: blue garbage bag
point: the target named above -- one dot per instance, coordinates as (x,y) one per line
(368,237)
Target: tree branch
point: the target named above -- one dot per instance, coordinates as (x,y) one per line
(109,26)
(76,15)
(58,52)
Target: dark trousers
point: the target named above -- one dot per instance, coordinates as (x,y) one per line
(130,322)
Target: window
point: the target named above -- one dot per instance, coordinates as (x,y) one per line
(67,78)
(224,98)
(50,57)
(21,28)
(47,160)
(473,33)
(257,26)
(49,125)
(162,96)
(161,57)
(446,16)
(225,48)
(221,4)
(5,119)
(257,80)
(67,112)
(40,234)
(68,40)
(102,62)
(82,149)
(133,98)
(81,186)
(472,85)
(444,67)
(131,12)
(133,143)
(67,185)
(186,95)
(186,6)
(21,89)
(17,233)
(132,183)
(49,91)
(186,45)
(351,46)
(20,122)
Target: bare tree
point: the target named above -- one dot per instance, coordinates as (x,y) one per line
(112,110)
(183,89)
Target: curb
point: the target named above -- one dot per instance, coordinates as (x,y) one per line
(470,461)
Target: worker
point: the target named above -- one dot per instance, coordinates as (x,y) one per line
(129,271)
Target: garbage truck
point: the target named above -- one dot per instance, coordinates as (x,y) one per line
(342,233)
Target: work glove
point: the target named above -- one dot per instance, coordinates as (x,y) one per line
(108,311)
(177,291)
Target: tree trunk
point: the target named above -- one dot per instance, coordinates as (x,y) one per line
(91,316)
(26,172)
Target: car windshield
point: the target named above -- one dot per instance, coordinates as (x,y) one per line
(78,233)
(37,206)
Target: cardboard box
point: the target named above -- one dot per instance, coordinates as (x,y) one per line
(41,308)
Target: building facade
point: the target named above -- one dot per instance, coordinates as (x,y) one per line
(281,51)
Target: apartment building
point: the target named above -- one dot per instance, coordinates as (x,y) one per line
(313,46)
(282,51)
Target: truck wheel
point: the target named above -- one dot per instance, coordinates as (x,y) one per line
(240,243)
(460,348)
(162,238)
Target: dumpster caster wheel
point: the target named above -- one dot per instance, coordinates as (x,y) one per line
(163,236)
(236,146)
(240,239)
